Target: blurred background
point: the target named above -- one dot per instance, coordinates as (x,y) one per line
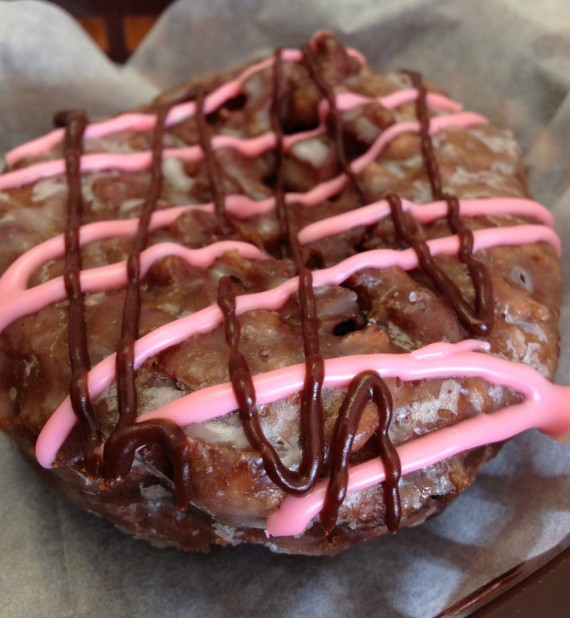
(117,26)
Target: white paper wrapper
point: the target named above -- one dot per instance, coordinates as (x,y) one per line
(503,58)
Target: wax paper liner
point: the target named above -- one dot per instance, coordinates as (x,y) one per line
(503,58)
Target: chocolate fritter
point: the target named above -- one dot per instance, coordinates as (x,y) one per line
(230,491)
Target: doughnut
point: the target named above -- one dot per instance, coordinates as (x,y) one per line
(299,304)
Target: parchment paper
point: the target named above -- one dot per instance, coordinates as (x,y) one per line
(506,59)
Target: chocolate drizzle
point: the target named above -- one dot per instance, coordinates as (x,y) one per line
(367,388)
(128,436)
(408,229)
(75,123)
(125,370)
(312,413)
(275,118)
(477,320)
(122,445)
(422,114)
(291,481)
(326,90)
(214,177)
(482,317)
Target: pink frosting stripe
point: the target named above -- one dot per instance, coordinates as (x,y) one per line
(334,185)
(425,213)
(546,408)
(461,120)
(17,275)
(17,302)
(251,148)
(58,426)
(215,401)
(145,122)
(349,100)
(34,147)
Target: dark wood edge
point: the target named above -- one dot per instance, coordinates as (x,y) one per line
(113,14)
(539,587)
(107,8)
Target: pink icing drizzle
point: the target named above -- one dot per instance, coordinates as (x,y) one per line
(63,419)
(23,302)
(544,407)
(252,147)
(227,91)
(146,122)
(16,277)
(425,213)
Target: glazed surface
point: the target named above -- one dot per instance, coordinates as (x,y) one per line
(337,190)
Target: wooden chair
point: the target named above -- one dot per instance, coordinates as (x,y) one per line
(108,20)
